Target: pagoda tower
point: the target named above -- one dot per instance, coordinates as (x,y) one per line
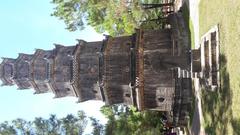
(149,70)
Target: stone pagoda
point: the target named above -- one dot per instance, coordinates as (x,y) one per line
(149,70)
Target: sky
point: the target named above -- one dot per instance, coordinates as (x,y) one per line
(26,25)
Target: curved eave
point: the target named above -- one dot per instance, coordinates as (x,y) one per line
(34,85)
(19,85)
(57,48)
(4,81)
(52,87)
(36,54)
(21,56)
(76,50)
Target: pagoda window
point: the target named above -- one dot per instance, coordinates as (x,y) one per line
(161,99)
(127,95)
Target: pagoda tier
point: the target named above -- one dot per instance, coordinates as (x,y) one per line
(7,71)
(65,71)
(149,70)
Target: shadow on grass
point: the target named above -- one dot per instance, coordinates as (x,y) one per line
(236,126)
(216,105)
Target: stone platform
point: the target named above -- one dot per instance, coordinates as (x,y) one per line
(205,60)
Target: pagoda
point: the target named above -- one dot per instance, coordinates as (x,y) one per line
(149,70)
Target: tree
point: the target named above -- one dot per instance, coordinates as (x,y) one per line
(117,17)
(123,120)
(41,126)
(7,129)
(72,125)
(54,125)
(69,125)
(51,126)
(82,121)
(97,127)
(23,126)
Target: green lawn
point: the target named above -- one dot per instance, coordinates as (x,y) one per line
(221,109)
(185,12)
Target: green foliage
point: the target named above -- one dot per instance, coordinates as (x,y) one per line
(7,129)
(54,125)
(97,127)
(50,126)
(41,126)
(116,17)
(124,120)
(69,125)
(23,126)
(225,101)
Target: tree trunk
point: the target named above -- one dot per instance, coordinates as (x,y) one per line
(149,6)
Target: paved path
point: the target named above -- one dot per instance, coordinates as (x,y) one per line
(196,128)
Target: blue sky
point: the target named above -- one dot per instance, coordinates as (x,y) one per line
(26,25)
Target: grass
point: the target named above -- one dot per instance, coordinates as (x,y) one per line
(185,11)
(221,108)
(192,34)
